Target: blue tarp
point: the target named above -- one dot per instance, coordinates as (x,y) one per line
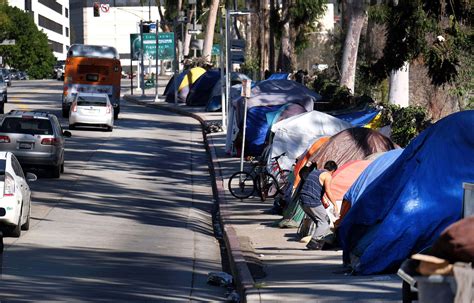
(359,118)
(201,90)
(278,76)
(370,174)
(406,208)
(258,126)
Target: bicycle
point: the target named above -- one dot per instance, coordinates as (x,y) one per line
(280,174)
(243,184)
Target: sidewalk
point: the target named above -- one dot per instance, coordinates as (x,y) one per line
(268,263)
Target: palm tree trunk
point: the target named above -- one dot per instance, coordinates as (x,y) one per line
(211,23)
(271,41)
(356,11)
(187,36)
(285,50)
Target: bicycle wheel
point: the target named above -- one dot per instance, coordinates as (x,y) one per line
(241,185)
(268,186)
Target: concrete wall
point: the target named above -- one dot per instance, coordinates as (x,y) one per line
(114,27)
(40,9)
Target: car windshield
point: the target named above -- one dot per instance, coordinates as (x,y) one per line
(26,125)
(91,101)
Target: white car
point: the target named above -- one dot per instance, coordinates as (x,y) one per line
(91,109)
(15,196)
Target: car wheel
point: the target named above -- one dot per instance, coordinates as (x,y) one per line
(6,99)
(56,171)
(62,168)
(15,231)
(2,108)
(26,226)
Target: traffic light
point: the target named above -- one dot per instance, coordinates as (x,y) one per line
(145,28)
(96,9)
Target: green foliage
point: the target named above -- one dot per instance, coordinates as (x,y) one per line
(31,52)
(412,30)
(303,14)
(406,122)
(251,66)
(302,17)
(337,97)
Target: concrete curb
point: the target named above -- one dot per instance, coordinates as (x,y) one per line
(240,271)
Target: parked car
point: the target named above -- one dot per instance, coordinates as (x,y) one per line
(90,109)
(13,74)
(22,75)
(15,198)
(6,76)
(36,139)
(3,94)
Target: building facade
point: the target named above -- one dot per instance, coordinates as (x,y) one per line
(52,17)
(115,21)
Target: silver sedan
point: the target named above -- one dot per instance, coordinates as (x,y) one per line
(90,109)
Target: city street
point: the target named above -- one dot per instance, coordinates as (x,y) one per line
(129,220)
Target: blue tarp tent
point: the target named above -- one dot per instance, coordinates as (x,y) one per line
(371,173)
(279,76)
(414,200)
(201,90)
(259,121)
(359,118)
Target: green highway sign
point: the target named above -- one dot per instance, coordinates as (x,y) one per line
(165,45)
(216,50)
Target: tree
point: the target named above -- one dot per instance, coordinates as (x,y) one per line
(356,10)
(438,31)
(31,52)
(210,28)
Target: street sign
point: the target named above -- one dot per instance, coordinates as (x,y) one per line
(152,27)
(237,43)
(237,56)
(194,31)
(8,42)
(165,45)
(246,88)
(105,7)
(216,50)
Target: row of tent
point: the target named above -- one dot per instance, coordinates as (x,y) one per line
(200,87)
(395,201)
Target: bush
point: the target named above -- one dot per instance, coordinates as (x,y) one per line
(406,122)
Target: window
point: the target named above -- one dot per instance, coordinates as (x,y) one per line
(52,4)
(67,31)
(28,5)
(17,167)
(66,12)
(50,24)
(27,125)
(56,46)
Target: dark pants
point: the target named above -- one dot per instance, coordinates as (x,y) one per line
(320,218)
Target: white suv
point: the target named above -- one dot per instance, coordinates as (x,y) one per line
(15,196)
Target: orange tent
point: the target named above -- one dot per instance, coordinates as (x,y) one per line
(345,176)
(303,159)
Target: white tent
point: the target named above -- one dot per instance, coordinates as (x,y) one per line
(295,134)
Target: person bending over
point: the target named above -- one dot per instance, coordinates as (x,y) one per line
(316,184)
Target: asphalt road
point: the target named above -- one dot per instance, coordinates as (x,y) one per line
(128,221)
